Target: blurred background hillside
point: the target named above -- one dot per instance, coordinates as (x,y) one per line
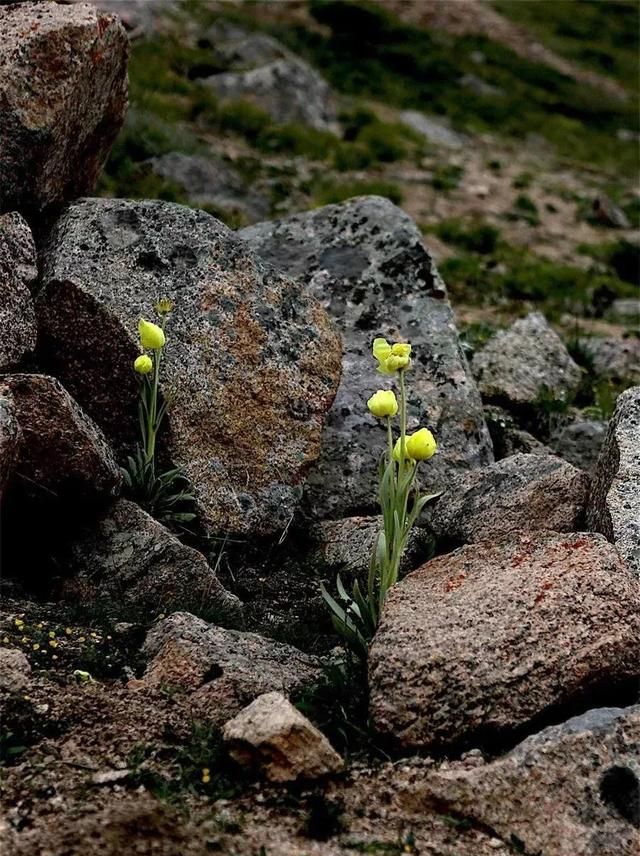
(508,130)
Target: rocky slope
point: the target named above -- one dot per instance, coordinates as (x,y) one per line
(179,689)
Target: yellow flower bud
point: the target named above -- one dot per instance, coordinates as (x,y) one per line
(143,364)
(164,306)
(381,349)
(151,336)
(396,450)
(421,446)
(383,403)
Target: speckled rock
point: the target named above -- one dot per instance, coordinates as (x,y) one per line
(614,504)
(9,439)
(224,670)
(63,455)
(213,183)
(270,735)
(477,644)
(126,558)
(570,790)
(345,546)
(289,90)
(522,492)
(580,442)
(525,365)
(18,271)
(252,363)
(618,359)
(14,671)
(63,96)
(366,262)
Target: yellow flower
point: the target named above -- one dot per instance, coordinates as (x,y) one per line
(53,643)
(421,446)
(151,336)
(36,646)
(19,622)
(206,775)
(52,634)
(394,363)
(143,364)
(381,349)
(383,403)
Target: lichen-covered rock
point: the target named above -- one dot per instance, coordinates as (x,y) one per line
(289,90)
(63,96)
(9,439)
(63,454)
(252,363)
(614,504)
(224,670)
(365,260)
(580,442)
(18,272)
(476,644)
(272,736)
(211,182)
(570,790)
(522,492)
(128,559)
(526,365)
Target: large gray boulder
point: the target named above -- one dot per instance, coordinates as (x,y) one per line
(614,504)
(570,790)
(289,90)
(476,645)
(580,442)
(526,366)
(365,260)
(252,364)
(522,492)
(126,559)
(18,272)
(63,455)
(617,359)
(63,96)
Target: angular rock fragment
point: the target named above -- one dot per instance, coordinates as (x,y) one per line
(522,492)
(614,503)
(18,272)
(272,736)
(128,559)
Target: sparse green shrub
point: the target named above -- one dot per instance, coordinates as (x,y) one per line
(447,177)
(331,191)
(524,208)
(474,237)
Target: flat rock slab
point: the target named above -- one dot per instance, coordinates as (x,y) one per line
(270,735)
(614,504)
(18,272)
(522,492)
(365,260)
(224,670)
(63,455)
(526,365)
(477,644)
(127,559)
(571,790)
(63,91)
(252,364)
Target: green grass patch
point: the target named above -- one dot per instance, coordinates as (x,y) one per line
(332,190)
(474,237)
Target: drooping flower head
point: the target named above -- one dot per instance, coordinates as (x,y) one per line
(152,337)
(383,403)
